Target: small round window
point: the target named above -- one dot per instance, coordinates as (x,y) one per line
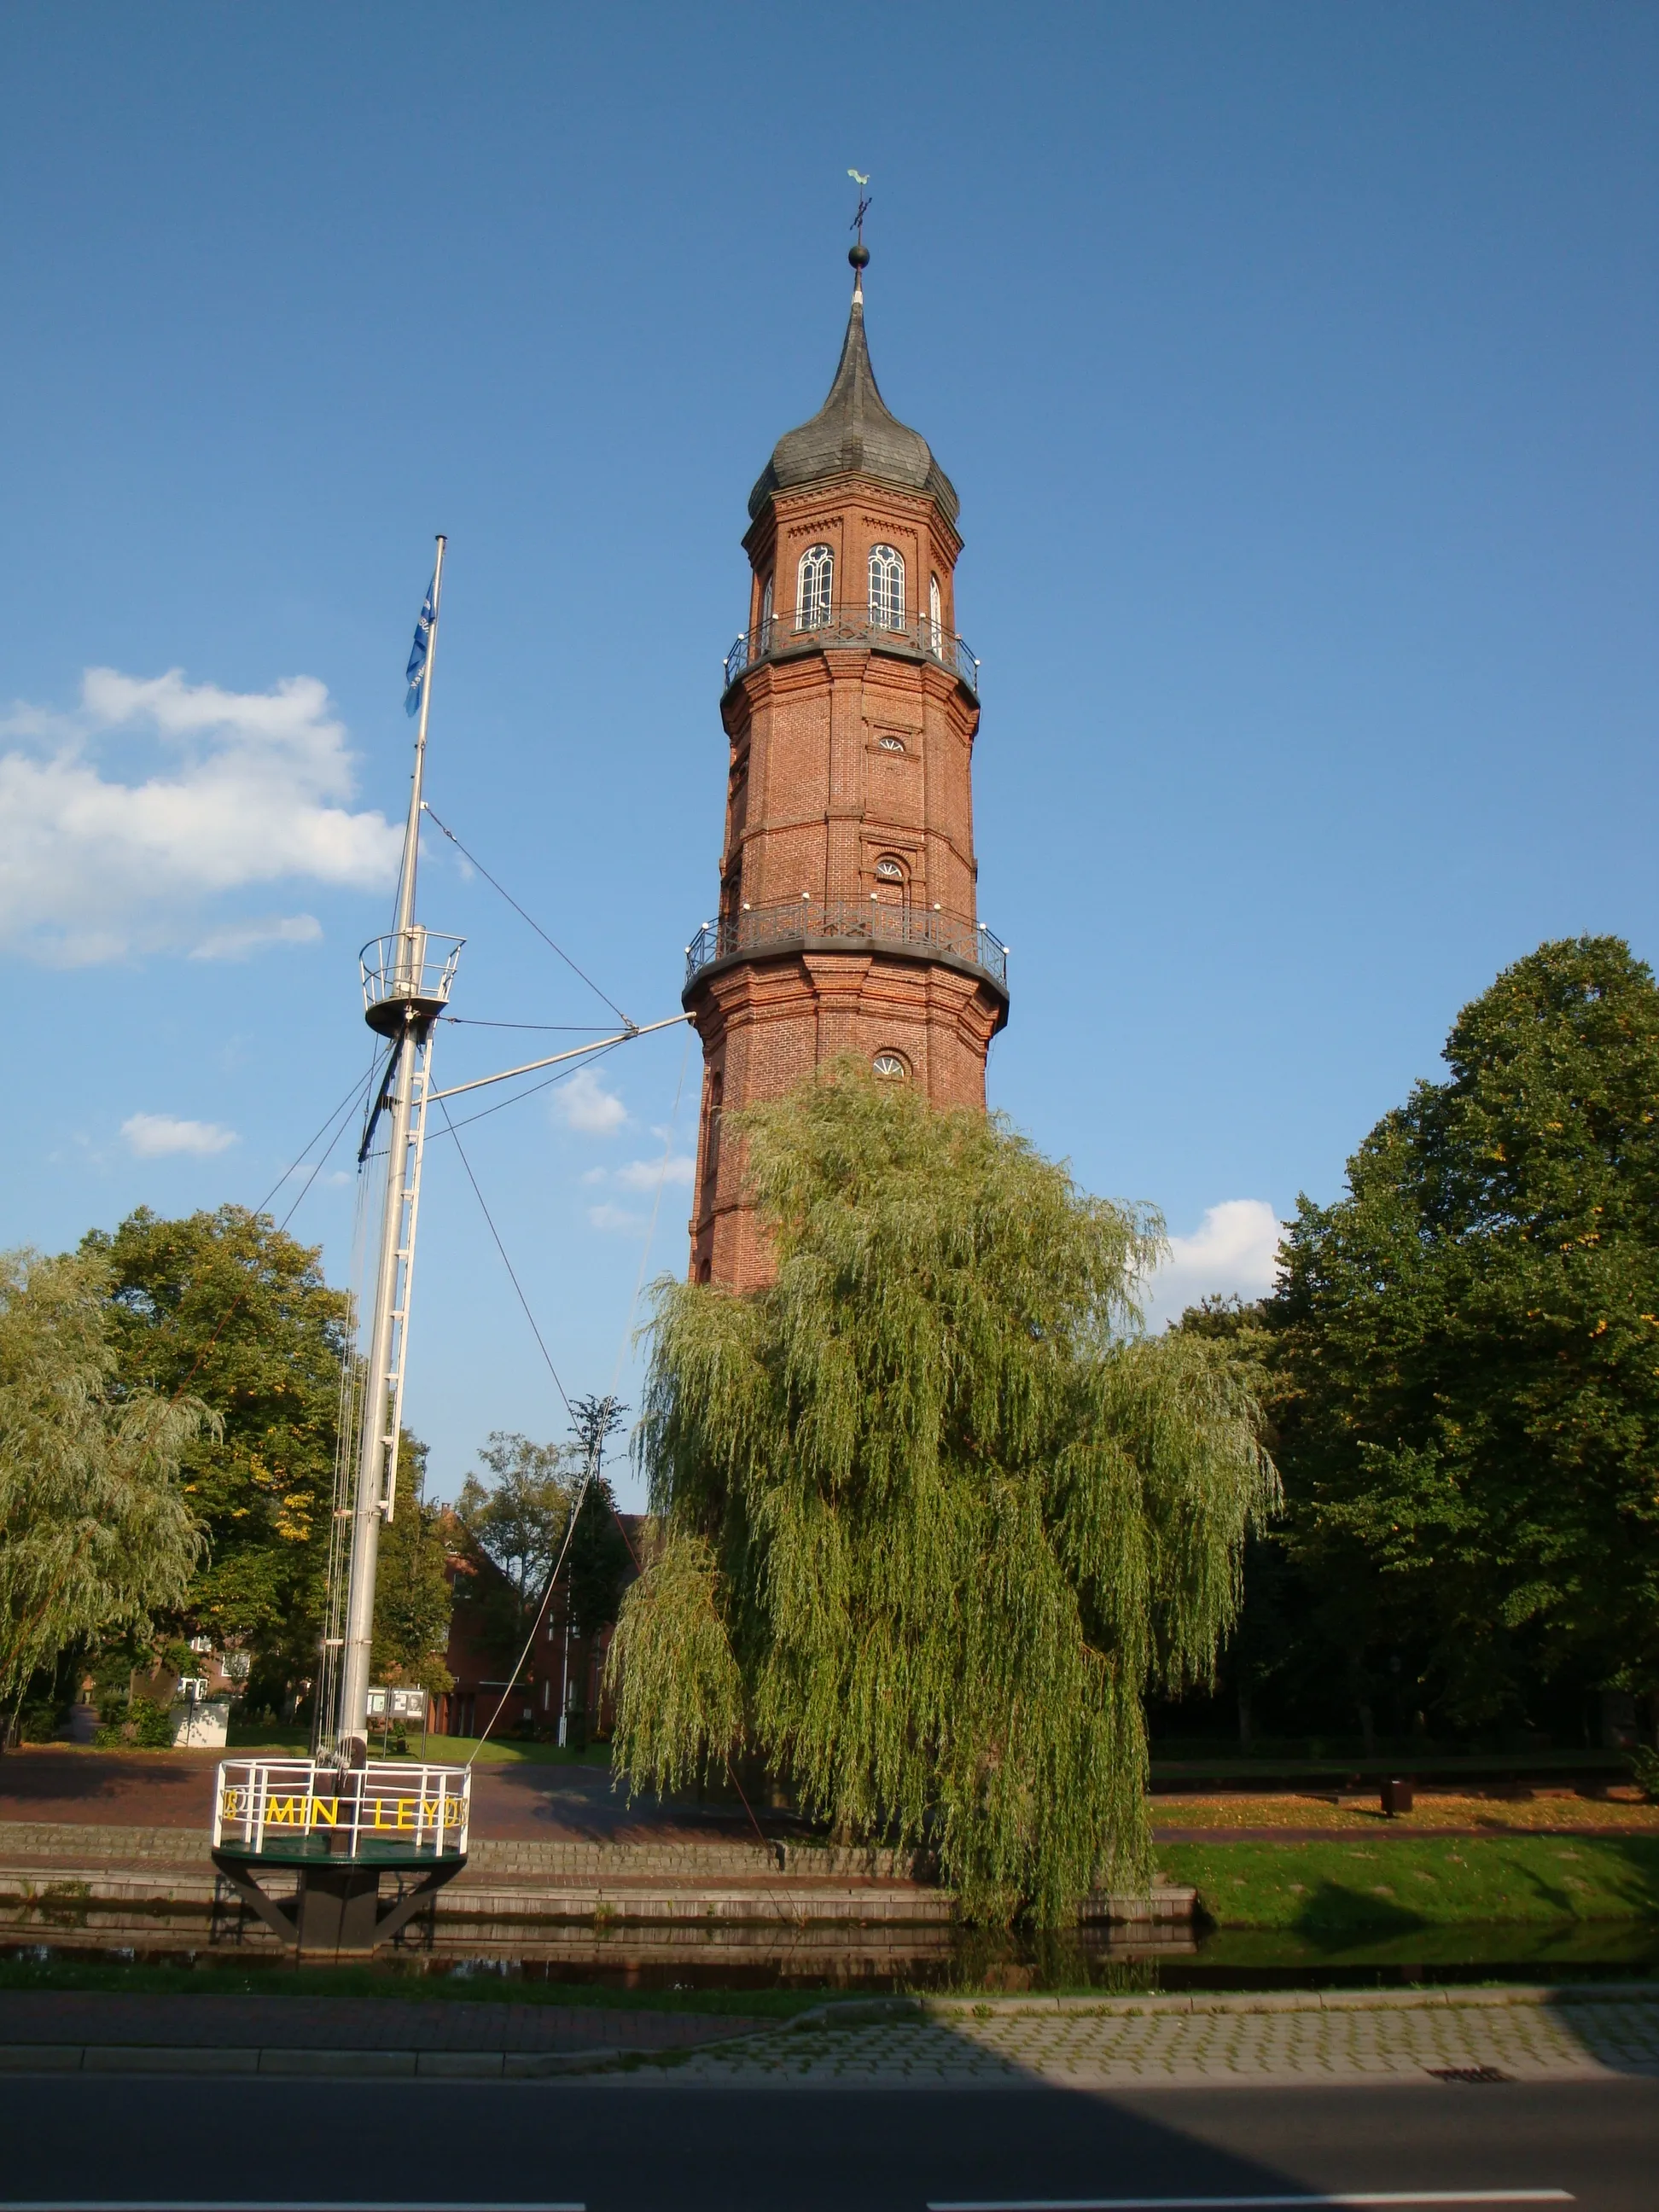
(891,1066)
(890,745)
(889,870)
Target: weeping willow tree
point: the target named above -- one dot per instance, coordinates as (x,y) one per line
(95,1532)
(935,1516)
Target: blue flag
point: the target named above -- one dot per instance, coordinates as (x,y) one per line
(417,653)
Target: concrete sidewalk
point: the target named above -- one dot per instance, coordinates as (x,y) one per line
(1460,2036)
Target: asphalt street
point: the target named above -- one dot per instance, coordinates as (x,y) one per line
(624,2145)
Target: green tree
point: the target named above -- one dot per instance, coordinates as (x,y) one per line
(598,1561)
(517,1519)
(932,1522)
(1470,1340)
(412,1602)
(599,1556)
(95,1533)
(226,1305)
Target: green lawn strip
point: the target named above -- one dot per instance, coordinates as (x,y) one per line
(1565,1950)
(132,1978)
(1392,1886)
(440,1750)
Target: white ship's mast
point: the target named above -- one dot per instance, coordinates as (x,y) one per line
(406,983)
(406,979)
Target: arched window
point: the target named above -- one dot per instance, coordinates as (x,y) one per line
(886,588)
(891,1066)
(766,615)
(935,618)
(814,582)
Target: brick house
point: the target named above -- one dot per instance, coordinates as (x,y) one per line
(563,1673)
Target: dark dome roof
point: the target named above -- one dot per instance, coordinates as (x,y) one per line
(853,434)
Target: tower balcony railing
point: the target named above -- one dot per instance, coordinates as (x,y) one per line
(918,637)
(411,969)
(917,930)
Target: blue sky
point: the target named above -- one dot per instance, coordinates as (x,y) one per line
(1296,366)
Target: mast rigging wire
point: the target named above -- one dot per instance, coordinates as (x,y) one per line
(496,1234)
(341,1113)
(564,1028)
(546,1084)
(592,1468)
(471,859)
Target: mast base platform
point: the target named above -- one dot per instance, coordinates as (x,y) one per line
(337,1906)
(338,1830)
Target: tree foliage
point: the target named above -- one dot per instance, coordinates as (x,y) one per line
(520,1517)
(932,1521)
(412,1600)
(226,1305)
(95,1532)
(599,1556)
(517,1518)
(1469,1348)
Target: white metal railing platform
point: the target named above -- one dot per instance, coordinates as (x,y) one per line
(410,971)
(390,1812)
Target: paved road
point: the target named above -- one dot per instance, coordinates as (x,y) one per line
(629,2146)
(524,1802)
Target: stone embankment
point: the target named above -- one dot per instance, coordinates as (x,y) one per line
(69,1876)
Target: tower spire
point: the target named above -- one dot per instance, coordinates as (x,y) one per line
(858,253)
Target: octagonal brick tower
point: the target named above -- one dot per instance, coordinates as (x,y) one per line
(847,920)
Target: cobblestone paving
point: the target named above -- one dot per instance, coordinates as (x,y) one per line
(1527,2042)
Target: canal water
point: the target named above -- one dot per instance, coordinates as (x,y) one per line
(854,1962)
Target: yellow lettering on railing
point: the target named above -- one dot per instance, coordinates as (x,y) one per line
(324,1812)
(282,1813)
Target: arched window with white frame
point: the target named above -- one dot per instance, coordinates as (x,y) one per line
(766,615)
(935,618)
(815,581)
(886,588)
(892,880)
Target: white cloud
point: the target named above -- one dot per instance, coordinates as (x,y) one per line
(584,1104)
(645,1175)
(238,938)
(619,1219)
(1232,1252)
(121,822)
(154,1136)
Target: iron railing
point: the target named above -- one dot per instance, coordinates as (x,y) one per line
(304,1808)
(780,636)
(417,966)
(919,930)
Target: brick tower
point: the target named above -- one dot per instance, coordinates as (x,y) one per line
(847,920)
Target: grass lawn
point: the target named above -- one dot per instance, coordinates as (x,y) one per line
(440,1750)
(1398,1884)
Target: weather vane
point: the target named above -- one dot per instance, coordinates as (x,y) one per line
(860,253)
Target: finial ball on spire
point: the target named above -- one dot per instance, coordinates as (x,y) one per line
(859,255)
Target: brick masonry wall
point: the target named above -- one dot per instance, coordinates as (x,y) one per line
(842,761)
